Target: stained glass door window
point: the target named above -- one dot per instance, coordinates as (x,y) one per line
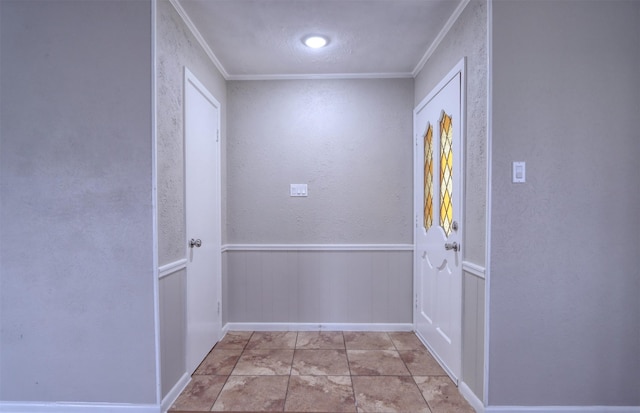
(428,177)
(446,173)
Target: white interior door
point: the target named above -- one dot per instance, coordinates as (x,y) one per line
(203,220)
(438,173)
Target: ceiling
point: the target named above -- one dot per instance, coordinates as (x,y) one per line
(261,39)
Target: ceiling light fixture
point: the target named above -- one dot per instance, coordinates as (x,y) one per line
(315,42)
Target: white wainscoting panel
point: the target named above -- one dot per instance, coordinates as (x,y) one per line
(317,247)
(473,332)
(295,284)
(172,306)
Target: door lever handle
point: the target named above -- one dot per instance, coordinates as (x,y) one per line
(452,246)
(195,243)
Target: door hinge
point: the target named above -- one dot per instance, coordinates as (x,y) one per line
(218,135)
(218,307)
(416,301)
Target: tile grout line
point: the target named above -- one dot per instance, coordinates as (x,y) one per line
(413,377)
(293,356)
(349,366)
(353,388)
(229,375)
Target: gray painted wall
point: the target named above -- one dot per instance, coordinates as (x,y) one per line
(565,267)
(176,47)
(468,37)
(349,140)
(76,245)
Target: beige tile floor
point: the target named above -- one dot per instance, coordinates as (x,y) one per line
(320,372)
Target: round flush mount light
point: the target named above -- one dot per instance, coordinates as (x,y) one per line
(315,42)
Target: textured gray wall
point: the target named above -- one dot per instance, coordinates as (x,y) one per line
(349,140)
(177,48)
(565,278)
(76,255)
(468,37)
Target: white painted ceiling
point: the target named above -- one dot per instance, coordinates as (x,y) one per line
(367,38)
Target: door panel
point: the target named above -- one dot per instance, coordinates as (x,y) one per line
(438,172)
(203,220)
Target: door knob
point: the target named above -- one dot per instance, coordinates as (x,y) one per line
(195,243)
(452,246)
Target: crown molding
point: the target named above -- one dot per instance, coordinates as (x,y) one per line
(317,247)
(196,33)
(315,76)
(447,26)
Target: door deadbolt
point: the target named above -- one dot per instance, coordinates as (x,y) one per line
(454,225)
(195,243)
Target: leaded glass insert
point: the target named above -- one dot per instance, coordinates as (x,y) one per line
(428,177)
(446,173)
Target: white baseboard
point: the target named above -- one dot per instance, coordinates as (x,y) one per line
(562,409)
(69,407)
(175,391)
(318,327)
(470,396)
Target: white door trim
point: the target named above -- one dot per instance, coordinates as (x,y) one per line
(488,152)
(154,205)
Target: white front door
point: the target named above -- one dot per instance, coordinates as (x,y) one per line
(203,216)
(438,172)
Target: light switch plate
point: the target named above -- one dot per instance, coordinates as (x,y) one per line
(298,190)
(519,172)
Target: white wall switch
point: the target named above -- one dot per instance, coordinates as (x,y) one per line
(298,190)
(519,172)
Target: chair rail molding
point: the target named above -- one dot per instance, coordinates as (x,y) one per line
(475,269)
(317,247)
(168,269)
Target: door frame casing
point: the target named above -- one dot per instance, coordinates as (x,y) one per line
(459,68)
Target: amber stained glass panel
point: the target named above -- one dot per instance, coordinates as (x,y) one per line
(446,173)
(428,178)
